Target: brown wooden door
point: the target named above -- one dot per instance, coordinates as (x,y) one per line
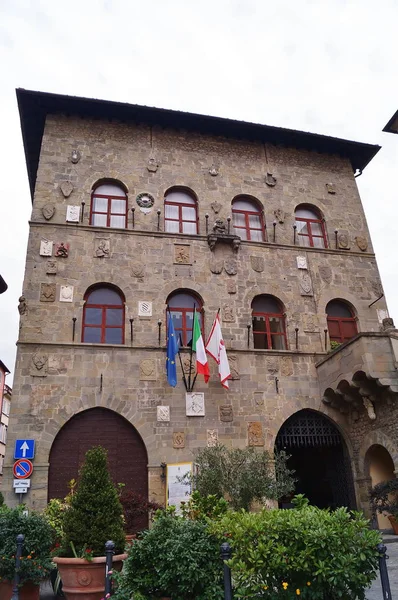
(127,456)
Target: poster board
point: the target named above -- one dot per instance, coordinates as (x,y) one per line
(177,491)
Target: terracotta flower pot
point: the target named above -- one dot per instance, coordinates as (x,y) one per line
(84,580)
(28,591)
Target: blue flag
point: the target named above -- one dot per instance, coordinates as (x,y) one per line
(172,350)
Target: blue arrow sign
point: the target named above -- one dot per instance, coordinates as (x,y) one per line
(24,449)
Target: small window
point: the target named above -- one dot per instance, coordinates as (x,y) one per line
(310,227)
(341,321)
(109,206)
(181,307)
(103,317)
(180,212)
(269,331)
(248,220)
(6,407)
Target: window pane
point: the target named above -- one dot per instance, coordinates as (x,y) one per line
(275,325)
(184,301)
(119,222)
(254,221)
(338,309)
(189,228)
(259,323)
(334,330)
(278,342)
(245,204)
(92,335)
(93,316)
(171,212)
(266,304)
(113,336)
(238,220)
(306,213)
(348,329)
(114,316)
(302,227)
(177,318)
(99,220)
(100,204)
(109,189)
(188,214)
(318,242)
(172,226)
(256,235)
(180,197)
(260,341)
(118,206)
(104,296)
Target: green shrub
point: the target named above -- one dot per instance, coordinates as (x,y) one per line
(177,557)
(242,475)
(36,559)
(203,507)
(95,514)
(306,552)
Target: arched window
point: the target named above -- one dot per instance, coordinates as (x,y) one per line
(247,219)
(180,212)
(181,305)
(268,320)
(103,316)
(310,227)
(341,321)
(109,206)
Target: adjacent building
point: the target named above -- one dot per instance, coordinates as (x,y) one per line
(5,398)
(137,209)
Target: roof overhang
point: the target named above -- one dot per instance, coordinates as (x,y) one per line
(4,368)
(392,125)
(3,285)
(35,106)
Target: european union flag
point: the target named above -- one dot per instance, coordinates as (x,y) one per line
(172,350)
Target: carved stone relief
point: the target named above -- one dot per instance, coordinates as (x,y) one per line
(231,286)
(145,202)
(370,409)
(330,188)
(66,188)
(179,439)
(270,180)
(310,323)
(387,324)
(257,263)
(147,370)
(216,207)
(182,254)
(228,313)
(75,156)
(152,165)
(258,398)
(66,293)
(301,262)
(272,365)
(72,214)
(216,266)
(343,240)
(62,250)
(286,366)
(144,308)
(226,413)
(326,274)
(22,305)
(138,270)
(305,284)
(102,248)
(48,211)
(212,438)
(234,366)
(46,248)
(163,413)
(231,266)
(195,404)
(39,364)
(279,215)
(255,434)
(214,170)
(47,292)
(361,242)
(51,267)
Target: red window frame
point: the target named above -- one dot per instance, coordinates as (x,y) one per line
(180,206)
(184,331)
(103,326)
(108,212)
(311,235)
(339,328)
(247,227)
(268,333)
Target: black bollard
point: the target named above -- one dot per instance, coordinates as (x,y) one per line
(226,553)
(15,588)
(109,552)
(385,582)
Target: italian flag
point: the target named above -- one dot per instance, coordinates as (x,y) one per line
(198,347)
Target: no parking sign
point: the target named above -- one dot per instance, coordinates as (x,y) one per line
(22,468)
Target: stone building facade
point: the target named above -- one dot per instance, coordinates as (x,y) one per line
(67,391)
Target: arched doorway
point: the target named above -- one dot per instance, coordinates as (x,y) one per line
(127,455)
(319,457)
(380,467)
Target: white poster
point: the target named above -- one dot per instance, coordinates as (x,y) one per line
(177,490)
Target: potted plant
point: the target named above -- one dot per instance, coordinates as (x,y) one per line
(384,500)
(36,551)
(93,517)
(136,512)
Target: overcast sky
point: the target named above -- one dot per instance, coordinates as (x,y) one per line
(325,66)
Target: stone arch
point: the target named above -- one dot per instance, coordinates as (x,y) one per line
(127,453)
(376,438)
(249,197)
(112,181)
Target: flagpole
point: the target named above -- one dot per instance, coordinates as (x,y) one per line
(179,355)
(190,358)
